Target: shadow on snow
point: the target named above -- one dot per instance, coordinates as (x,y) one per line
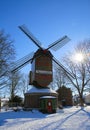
(32,116)
(4,116)
(61,122)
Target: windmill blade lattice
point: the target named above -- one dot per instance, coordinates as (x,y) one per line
(63,67)
(30,35)
(59,43)
(22,62)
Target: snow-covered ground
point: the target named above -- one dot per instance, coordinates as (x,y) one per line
(71,118)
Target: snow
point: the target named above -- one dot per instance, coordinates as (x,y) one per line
(43,90)
(70,118)
(4,99)
(47,97)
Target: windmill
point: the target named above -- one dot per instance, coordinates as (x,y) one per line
(39,53)
(41,71)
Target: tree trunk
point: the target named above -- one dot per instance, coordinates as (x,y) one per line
(81,101)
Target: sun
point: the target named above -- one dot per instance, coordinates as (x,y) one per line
(79,57)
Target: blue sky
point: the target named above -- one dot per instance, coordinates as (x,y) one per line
(48,20)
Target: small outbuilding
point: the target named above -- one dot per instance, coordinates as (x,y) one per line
(87,99)
(4,101)
(48,104)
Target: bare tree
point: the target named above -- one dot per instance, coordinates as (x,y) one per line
(24,84)
(80,70)
(59,77)
(14,84)
(7,55)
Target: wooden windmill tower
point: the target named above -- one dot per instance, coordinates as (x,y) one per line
(41,74)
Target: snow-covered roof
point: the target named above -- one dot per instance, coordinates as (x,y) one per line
(47,97)
(4,99)
(42,90)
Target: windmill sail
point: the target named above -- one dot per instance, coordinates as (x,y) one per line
(55,46)
(30,35)
(59,43)
(62,67)
(22,62)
